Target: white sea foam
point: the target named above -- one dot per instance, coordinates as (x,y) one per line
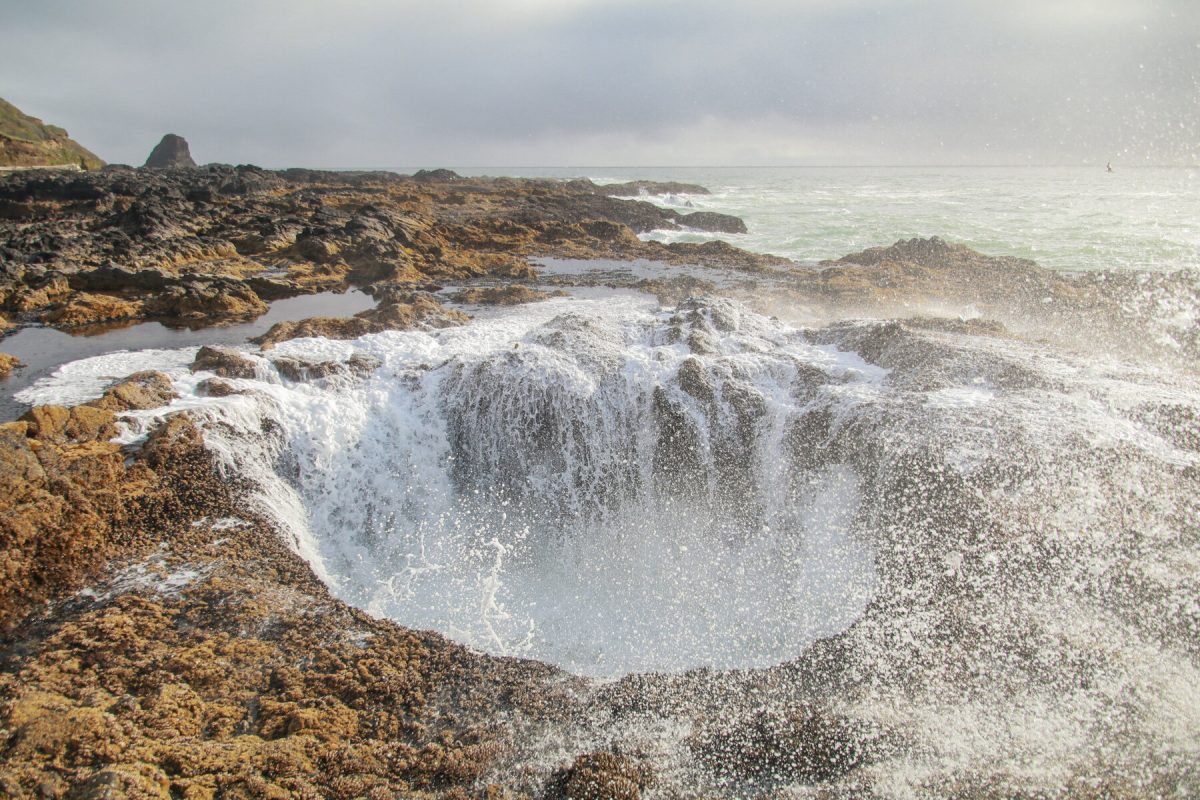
(1000,533)
(495,482)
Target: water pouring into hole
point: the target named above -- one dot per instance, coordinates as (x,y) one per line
(622,491)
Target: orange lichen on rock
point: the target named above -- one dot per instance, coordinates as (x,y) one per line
(89,309)
(160,640)
(397,310)
(8,364)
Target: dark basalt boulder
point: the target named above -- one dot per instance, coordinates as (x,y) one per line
(638,188)
(436,175)
(171,152)
(712,221)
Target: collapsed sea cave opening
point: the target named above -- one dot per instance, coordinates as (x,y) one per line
(607,491)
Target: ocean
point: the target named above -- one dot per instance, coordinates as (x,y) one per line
(1069,218)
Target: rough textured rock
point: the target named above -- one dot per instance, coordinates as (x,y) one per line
(396,310)
(139,391)
(61,490)
(8,364)
(207,245)
(305,370)
(224,361)
(711,221)
(210,300)
(600,776)
(89,309)
(637,188)
(204,658)
(171,151)
(509,295)
(216,387)
(804,746)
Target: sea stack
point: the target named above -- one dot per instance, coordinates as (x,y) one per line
(172,151)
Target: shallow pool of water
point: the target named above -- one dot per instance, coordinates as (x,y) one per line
(42,350)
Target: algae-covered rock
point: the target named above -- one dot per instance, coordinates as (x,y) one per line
(8,363)
(26,141)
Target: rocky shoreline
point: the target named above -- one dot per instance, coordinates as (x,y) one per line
(161,640)
(214,244)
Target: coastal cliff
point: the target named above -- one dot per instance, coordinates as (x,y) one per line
(26,141)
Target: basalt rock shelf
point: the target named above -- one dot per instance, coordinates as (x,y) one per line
(915,522)
(918,556)
(208,245)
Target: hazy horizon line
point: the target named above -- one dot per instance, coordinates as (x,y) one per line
(736,166)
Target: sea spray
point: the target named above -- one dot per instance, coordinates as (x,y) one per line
(990,541)
(607,488)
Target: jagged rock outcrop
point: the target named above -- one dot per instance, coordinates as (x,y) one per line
(396,310)
(191,653)
(8,364)
(66,494)
(171,152)
(224,361)
(89,309)
(26,141)
(711,221)
(643,188)
(509,295)
(214,243)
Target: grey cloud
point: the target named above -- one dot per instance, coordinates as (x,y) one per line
(455,82)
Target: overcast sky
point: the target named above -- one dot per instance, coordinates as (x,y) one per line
(614,82)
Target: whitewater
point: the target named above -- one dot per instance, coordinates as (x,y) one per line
(965,536)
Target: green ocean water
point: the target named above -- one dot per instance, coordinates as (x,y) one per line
(1070,218)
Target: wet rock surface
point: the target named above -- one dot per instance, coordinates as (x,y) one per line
(213,244)
(397,309)
(8,364)
(162,638)
(510,295)
(203,658)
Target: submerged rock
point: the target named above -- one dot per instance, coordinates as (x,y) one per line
(299,369)
(172,151)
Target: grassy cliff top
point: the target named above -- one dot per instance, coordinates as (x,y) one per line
(26,141)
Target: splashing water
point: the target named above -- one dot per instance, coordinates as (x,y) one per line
(546,485)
